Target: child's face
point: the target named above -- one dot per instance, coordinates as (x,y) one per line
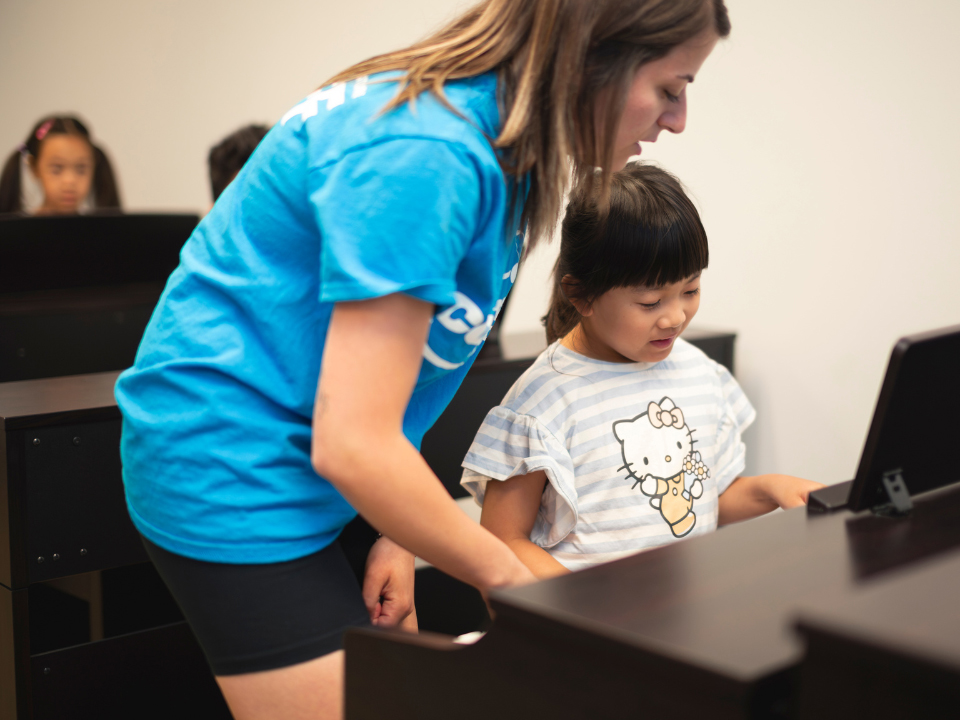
(639,324)
(657,99)
(65,171)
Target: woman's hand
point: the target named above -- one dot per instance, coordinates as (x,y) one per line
(388,586)
(748,497)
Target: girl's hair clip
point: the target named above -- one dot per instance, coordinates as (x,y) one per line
(43,130)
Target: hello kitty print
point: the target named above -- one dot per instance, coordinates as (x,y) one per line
(658,454)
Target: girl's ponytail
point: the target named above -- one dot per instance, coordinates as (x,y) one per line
(106,193)
(562,317)
(10,201)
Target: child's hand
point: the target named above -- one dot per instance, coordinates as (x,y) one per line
(748,497)
(788,491)
(388,586)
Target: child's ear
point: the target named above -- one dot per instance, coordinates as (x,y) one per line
(571,291)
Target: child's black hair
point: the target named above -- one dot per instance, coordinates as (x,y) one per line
(228,156)
(650,236)
(104,184)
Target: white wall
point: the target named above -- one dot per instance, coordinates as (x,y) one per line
(822,150)
(161,81)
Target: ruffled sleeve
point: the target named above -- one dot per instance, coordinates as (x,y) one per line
(509,444)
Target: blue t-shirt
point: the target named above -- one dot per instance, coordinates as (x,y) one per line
(339,202)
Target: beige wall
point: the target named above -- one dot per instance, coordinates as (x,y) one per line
(160,81)
(822,149)
(824,153)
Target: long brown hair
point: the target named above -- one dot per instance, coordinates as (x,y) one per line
(106,193)
(651,235)
(553,58)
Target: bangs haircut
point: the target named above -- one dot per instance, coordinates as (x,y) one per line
(652,234)
(649,235)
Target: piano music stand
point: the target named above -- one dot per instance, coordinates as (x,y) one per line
(916,420)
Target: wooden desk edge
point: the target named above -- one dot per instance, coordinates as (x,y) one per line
(29,403)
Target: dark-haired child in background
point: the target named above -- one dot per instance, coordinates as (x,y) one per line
(228,156)
(621,436)
(69,167)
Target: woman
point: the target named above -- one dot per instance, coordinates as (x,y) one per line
(326,310)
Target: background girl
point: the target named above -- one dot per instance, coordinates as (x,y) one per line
(327,308)
(60,154)
(621,436)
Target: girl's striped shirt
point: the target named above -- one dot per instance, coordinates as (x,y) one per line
(635,454)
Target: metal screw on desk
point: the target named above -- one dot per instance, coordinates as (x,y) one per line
(76,441)
(83,551)
(36,441)
(56,556)
(40,559)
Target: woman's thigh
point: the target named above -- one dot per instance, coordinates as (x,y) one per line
(275,620)
(309,691)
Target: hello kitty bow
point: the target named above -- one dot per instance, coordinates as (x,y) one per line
(664,417)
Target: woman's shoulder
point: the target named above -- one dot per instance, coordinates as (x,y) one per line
(349,117)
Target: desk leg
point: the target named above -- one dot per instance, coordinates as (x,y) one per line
(14,654)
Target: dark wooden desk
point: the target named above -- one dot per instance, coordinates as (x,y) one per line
(700,628)
(63,518)
(890,652)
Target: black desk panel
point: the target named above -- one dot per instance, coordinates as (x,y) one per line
(61,487)
(76,292)
(62,517)
(889,652)
(59,252)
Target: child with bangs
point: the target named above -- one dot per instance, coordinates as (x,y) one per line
(73,173)
(621,436)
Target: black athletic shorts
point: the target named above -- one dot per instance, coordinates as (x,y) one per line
(250,618)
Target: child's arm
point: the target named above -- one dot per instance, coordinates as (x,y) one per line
(509,511)
(748,497)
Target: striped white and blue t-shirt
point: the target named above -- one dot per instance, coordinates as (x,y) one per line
(636,454)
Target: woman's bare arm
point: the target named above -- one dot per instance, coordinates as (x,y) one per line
(509,511)
(371,361)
